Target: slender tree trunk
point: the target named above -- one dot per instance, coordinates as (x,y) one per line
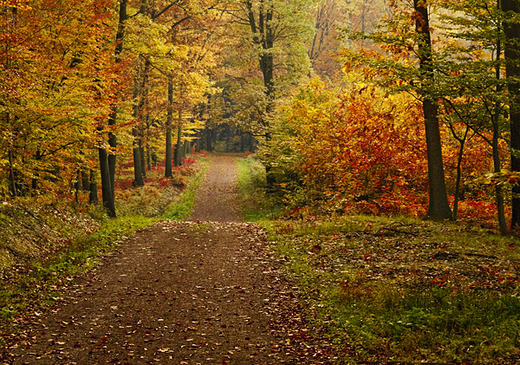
(462,142)
(169,121)
(178,148)
(148,157)
(512,54)
(187,150)
(112,140)
(12,176)
(136,150)
(438,207)
(142,153)
(144,115)
(93,196)
(209,139)
(106,185)
(496,135)
(138,167)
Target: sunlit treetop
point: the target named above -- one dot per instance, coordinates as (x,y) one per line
(18,4)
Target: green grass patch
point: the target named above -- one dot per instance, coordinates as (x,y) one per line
(386,289)
(256,203)
(182,205)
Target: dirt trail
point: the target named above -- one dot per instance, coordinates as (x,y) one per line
(217,196)
(179,293)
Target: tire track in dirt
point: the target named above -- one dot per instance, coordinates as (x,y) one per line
(178,293)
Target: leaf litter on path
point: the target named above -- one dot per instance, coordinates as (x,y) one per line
(195,292)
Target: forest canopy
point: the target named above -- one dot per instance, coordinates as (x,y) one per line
(382,107)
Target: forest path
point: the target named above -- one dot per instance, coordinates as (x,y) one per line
(217,195)
(198,292)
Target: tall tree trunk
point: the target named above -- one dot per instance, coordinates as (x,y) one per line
(209,139)
(198,141)
(112,140)
(138,167)
(12,176)
(136,150)
(462,142)
(144,114)
(512,54)
(169,121)
(178,148)
(142,153)
(438,207)
(93,196)
(106,184)
(263,36)
(496,135)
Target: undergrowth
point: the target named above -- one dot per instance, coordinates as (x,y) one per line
(397,289)
(181,207)
(257,204)
(383,289)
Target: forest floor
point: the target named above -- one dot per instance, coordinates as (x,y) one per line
(205,291)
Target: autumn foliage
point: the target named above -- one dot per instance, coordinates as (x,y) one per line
(57,80)
(361,149)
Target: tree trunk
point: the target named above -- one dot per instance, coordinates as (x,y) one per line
(438,207)
(169,121)
(138,167)
(209,136)
(93,196)
(178,148)
(106,184)
(112,140)
(462,142)
(142,155)
(512,54)
(136,151)
(85,180)
(263,36)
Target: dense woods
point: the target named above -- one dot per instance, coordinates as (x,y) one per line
(377,142)
(386,107)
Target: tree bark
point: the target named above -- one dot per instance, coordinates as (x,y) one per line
(112,140)
(438,208)
(169,121)
(138,167)
(136,150)
(106,185)
(263,36)
(512,54)
(178,148)
(93,196)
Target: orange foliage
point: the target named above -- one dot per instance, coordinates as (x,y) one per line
(362,150)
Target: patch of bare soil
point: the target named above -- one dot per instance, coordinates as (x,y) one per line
(177,293)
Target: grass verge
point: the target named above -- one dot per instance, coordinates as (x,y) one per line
(387,289)
(37,287)
(182,205)
(257,205)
